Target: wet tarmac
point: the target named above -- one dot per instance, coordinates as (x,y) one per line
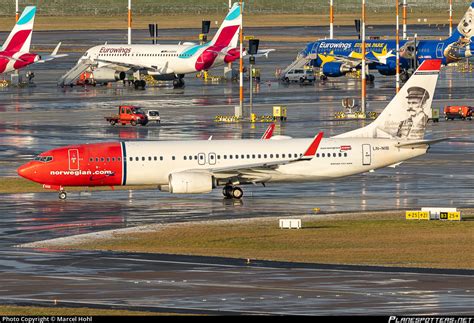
(38,118)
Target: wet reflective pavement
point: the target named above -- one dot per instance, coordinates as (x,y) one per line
(39,118)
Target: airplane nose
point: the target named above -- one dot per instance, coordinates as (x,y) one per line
(25,171)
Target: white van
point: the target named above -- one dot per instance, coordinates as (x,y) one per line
(299,75)
(153,115)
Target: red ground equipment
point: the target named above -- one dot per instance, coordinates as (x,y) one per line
(128,114)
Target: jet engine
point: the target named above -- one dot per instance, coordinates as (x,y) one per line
(104,75)
(335,69)
(191,182)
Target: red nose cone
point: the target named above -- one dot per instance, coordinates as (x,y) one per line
(25,171)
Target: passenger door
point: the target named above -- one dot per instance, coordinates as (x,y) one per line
(73,156)
(212,158)
(366,155)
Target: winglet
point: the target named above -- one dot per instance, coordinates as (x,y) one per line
(269,132)
(311,151)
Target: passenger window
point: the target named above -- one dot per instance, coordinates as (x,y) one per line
(91,159)
(218,156)
(236,156)
(317,155)
(248,156)
(137,159)
(102,159)
(149,158)
(119,159)
(283,155)
(230,156)
(161,157)
(242,156)
(185,158)
(173,158)
(97,159)
(259,156)
(264,155)
(277,156)
(113,159)
(345,154)
(323,155)
(340,155)
(333,154)
(196,157)
(131,158)
(253,156)
(155,158)
(271,155)
(143,158)
(225,156)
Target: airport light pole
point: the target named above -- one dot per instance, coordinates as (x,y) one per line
(331,19)
(252,50)
(404,22)
(450,18)
(129,22)
(397,40)
(241,62)
(362,107)
(16,11)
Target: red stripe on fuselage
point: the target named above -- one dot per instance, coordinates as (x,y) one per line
(17,41)
(96,165)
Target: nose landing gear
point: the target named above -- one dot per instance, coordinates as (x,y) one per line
(230,191)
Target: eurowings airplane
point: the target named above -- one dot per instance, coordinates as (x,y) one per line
(165,62)
(336,57)
(15,52)
(199,166)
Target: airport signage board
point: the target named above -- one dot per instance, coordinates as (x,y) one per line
(417,215)
(450,216)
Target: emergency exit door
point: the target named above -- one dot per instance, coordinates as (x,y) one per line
(366,156)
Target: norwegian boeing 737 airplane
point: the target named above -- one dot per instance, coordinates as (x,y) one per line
(15,52)
(112,63)
(198,166)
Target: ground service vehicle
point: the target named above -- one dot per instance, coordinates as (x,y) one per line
(299,75)
(153,115)
(463,112)
(128,114)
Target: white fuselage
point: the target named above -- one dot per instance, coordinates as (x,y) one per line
(156,59)
(153,162)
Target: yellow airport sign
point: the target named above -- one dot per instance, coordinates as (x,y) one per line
(249,37)
(450,216)
(417,215)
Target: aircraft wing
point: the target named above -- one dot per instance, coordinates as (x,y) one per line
(152,69)
(261,172)
(53,55)
(352,61)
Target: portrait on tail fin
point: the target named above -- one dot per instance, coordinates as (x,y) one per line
(413,127)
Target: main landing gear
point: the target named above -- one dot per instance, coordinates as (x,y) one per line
(232,192)
(178,83)
(62,195)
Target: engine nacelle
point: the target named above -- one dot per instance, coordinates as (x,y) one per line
(103,75)
(335,69)
(232,55)
(190,182)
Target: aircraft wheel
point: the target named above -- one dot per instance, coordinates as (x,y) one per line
(323,77)
(237,193)
(62,195)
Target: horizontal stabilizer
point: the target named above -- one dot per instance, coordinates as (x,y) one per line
(412,144)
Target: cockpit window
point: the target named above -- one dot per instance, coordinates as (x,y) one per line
(44,159)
